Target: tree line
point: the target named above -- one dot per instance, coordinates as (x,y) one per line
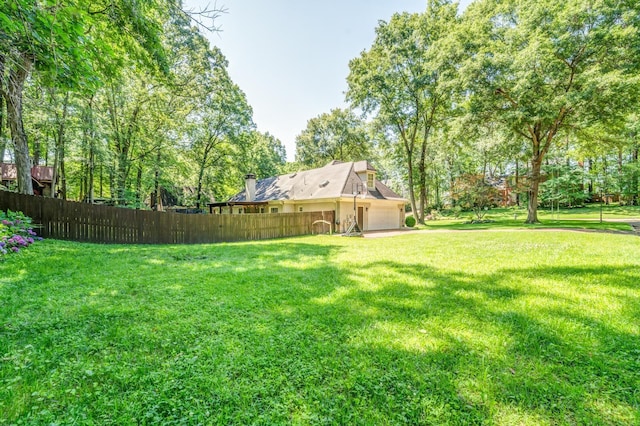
(543,92)
(126,100)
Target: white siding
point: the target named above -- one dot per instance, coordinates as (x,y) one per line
(316,207)
(287,208)
(345,215)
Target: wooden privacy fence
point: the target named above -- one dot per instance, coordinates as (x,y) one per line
(68,220)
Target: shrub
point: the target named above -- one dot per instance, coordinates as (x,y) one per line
(473,193)
(16,232)
(410,221)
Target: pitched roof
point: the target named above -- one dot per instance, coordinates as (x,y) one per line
(9,171)
(335,180)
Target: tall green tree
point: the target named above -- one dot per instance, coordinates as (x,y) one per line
(404,81)
(337,135)
(262,154)
(3,140)
(61,39)
(216,127)
(545,68)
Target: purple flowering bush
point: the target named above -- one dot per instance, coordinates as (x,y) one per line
(16,232)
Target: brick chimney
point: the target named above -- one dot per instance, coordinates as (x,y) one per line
(250,187)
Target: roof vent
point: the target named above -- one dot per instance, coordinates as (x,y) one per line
(323,184)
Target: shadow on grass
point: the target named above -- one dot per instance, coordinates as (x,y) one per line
(284,333)
(495,356)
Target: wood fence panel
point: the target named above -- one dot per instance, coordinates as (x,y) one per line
(68,220)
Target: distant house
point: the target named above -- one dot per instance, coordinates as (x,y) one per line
(41,177)
(504,185)
(348,188)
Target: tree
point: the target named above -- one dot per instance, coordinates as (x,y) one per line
(630,172)
(563,186)
(545,68)
(474,193)
(216,127)
(3,141)
(61,41)
(261,154)
(337,135)
(404,80)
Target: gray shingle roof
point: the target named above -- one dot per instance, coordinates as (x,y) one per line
(334,180)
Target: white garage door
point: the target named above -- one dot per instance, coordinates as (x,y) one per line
(384,217)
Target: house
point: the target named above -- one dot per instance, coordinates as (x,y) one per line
(504,187)
(348,188)
(41,177)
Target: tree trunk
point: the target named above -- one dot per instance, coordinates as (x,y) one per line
(63,175)
(428,121)
(83,182)
(534,185)
(156,199)
(422,181)
(590,185)
(92,161)
(101,181)
(408,143)
(121,177)
(635,197)
(412,194)
(452,182)
(517,186)
(605,190)
(112,180)
(3,141)
(422,188)
(13,97)
(620,177)
(438,203)
(139,185)
(90,140)
(123,138)
(59,146)
(199,189)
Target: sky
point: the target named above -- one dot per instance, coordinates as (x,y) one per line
(291,57)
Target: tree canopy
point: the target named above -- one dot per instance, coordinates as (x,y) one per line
(124,99)
(337,135)
(127,102)
(545,69)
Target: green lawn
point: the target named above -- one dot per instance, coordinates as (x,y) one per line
(520,327)
(506,223)
(591,211)
(578,218)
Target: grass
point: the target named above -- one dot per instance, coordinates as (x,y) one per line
(504,223)
(429,328)
(592,211)
(584,218)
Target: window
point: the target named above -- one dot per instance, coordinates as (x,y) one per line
(370,181)
(299,209)
(274,210)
